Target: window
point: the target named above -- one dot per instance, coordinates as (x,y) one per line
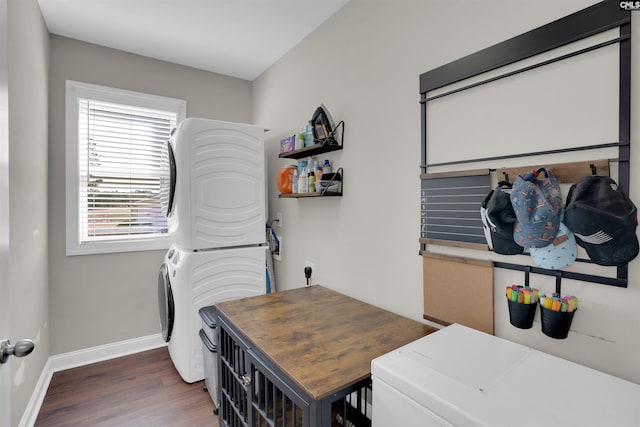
(114,147)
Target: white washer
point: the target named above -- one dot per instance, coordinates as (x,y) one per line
(191,280)
(214,191)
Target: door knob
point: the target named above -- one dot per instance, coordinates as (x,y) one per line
(20,349)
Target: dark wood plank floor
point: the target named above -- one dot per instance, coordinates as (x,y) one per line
(142,389)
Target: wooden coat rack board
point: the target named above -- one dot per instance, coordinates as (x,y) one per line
(565,173)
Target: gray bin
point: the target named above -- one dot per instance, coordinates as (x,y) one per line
(209,337)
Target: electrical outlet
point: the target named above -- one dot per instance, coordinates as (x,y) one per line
(279,219)
(313,268)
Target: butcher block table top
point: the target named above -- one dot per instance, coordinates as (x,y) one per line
(322,340)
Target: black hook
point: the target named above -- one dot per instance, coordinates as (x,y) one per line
(558,282)
(594,170)
(506,176)
(540,170)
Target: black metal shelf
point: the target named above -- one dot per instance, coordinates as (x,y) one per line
(325,193)
(312,150)
(303,195)
(321,146)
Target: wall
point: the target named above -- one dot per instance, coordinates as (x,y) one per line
(100,299)
(364,63)
(28,72)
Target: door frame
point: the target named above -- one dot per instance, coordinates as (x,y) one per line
(5,383)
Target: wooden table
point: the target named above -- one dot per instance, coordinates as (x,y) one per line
(318,342)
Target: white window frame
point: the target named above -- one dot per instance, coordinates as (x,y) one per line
(74,92)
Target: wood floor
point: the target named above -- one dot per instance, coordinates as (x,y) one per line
(142,389)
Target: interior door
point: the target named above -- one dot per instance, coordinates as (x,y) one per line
(5,385)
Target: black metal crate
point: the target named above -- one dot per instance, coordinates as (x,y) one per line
(274,407)
(254,393)
(233,382)
(354,409)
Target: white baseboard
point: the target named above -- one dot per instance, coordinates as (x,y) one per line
(87,356)
(33,407)
(84,357)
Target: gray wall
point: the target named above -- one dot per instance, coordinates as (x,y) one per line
(28,59)
(101,299)
(364,63)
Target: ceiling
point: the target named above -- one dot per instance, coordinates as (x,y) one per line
(239,38)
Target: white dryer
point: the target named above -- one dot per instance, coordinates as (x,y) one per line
(191,280)
(214,187)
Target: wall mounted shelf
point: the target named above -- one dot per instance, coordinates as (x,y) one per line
(312,150)
(322,146)
(302,195)
(339,173)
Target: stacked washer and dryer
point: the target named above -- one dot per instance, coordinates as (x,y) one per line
(214,193)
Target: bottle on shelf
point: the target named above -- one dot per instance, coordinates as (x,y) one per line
(294,181)
(300,143)
(312,182)
(303,183)
(308,135)
(302,163)
(326,167)
(283,179)
(318,174)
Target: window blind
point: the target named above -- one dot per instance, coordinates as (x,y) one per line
(120,169)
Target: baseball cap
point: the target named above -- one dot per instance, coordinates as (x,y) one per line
(537,202)
(559,253)
(498,220)
(603,219)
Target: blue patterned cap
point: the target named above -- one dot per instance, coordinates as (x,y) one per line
(537,202)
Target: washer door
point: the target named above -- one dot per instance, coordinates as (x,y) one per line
(165,302)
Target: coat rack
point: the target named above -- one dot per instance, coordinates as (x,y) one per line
(588,22)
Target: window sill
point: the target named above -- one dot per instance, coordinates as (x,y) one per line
(118,246)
